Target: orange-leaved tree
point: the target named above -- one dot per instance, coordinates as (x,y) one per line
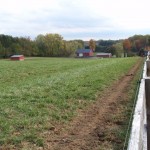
(92,44)
(126,46)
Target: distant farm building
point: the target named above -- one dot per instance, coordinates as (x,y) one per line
(17,57)
(84,53)
(104,55)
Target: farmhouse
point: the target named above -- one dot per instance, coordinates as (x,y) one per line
(84,53)
(104,55)
(17,57)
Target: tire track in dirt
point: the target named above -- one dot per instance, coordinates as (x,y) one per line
(88,130)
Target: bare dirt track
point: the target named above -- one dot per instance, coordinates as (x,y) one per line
(98,126)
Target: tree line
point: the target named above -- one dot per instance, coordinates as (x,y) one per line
(53,45)
(135,45)
(44,45)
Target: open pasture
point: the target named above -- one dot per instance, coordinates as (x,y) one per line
(37,93)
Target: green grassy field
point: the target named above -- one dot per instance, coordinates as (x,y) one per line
(38,91)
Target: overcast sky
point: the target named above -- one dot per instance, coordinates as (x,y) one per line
(75,19)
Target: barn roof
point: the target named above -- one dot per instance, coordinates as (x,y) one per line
(103,54)
(16,55)
(83,50)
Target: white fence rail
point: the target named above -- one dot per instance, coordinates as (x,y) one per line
(138,136)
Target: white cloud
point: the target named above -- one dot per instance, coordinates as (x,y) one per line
(108,19)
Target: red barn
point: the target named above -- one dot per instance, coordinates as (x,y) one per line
(84,53)
(104,55)
(17,57)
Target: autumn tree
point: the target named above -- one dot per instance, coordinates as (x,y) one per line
(148,41)
(139,44)
(126,46)
(92,44)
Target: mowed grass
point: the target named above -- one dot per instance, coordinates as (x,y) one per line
(37,92)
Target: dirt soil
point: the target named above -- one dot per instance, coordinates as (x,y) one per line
(95,127)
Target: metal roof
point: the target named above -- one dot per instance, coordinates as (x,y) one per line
(16,55)
(103,54)
(83,50)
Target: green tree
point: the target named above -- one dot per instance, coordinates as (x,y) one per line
(53,43)
(15,48)
(2,51)
(111,50)
(118,49)
(40,42)
(50,44)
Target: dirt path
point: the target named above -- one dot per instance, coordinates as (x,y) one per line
(96,127)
